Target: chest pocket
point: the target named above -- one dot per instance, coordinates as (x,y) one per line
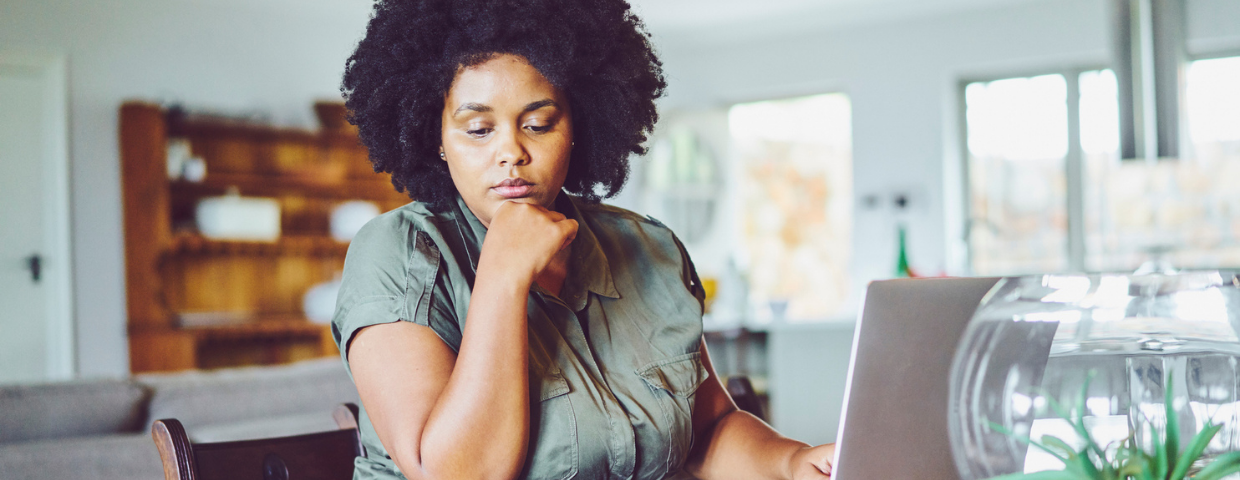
(673,382)
(553,431)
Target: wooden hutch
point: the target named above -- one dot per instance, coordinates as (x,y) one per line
(173,272)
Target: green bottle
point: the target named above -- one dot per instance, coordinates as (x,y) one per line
(902,268)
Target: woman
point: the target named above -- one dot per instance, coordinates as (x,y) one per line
(505,324)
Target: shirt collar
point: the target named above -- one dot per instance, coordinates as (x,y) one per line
(588,269)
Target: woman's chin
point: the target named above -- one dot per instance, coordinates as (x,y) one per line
(531,198)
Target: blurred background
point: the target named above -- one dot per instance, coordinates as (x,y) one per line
(805,148)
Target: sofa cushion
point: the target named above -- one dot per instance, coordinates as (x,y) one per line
(70,409)
(113,457)
(250,393)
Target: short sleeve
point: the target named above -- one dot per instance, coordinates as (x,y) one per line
(391,273)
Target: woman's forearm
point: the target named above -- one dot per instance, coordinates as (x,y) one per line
(479,427)
(742,447)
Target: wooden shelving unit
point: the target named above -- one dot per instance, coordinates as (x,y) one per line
(271,185)
(172,271)
(187,244)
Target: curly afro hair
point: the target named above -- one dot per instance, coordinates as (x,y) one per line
(596,51)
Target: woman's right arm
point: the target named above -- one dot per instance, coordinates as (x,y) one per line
(442,415)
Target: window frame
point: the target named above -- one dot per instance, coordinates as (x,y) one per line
(1073,162)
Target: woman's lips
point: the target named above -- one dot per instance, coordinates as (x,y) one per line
(513,191)
(514,188)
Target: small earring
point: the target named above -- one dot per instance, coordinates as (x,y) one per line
(442,155)
(572,144)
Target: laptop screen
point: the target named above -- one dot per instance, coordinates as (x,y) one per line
(894,419)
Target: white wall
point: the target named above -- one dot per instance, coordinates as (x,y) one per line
(808,374)
(279,55)
(903,79)
(271,55)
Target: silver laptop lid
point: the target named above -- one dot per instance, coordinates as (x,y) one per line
(894,420)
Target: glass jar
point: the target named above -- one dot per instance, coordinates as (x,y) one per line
(1101,350)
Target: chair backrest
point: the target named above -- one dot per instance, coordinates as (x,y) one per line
(742,392)
(314,456)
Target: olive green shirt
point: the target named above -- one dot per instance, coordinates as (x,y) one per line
(614,360)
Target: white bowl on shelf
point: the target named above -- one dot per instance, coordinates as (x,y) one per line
(349,217)
(233,217)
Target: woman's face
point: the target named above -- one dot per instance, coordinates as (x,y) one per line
(507,135)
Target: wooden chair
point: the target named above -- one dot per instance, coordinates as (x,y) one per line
(314,456)
(746,398)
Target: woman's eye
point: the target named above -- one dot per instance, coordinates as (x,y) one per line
(539,128)
(479,132)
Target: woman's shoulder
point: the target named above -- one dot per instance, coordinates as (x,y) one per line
(621,220)
(400,241)
(619,228)
(396,229)
(641,239)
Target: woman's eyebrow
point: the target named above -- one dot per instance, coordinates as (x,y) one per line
(477,107)
(540,104)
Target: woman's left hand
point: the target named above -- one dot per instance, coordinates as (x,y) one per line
(813,462)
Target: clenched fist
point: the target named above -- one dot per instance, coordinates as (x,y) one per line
(523,238)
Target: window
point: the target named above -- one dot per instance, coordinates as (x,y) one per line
(795,161)
(1181,213)
(1017,147)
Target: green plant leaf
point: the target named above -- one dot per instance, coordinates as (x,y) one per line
(1079,417)
(1144,471)
(1055,405)
(1046,475)
(1127,452)
(1129,461)
(1134,467)
(1146,461)
(1001,429)
(1108,470)
(1160,460)
(1145,474)
(1052,441)
(1172,441)
(1083,465)
(1194,450)
(1222,466)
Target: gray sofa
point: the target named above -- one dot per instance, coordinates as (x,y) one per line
(99,429)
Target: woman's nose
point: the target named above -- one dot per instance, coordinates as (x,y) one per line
(510,150)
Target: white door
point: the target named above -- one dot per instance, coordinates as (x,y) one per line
(36,334)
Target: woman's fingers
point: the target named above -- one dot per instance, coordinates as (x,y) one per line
(499,209)
(569,229)
(528,235)
(815,463)
(823,456)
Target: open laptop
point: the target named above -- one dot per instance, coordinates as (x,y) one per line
(894,420)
